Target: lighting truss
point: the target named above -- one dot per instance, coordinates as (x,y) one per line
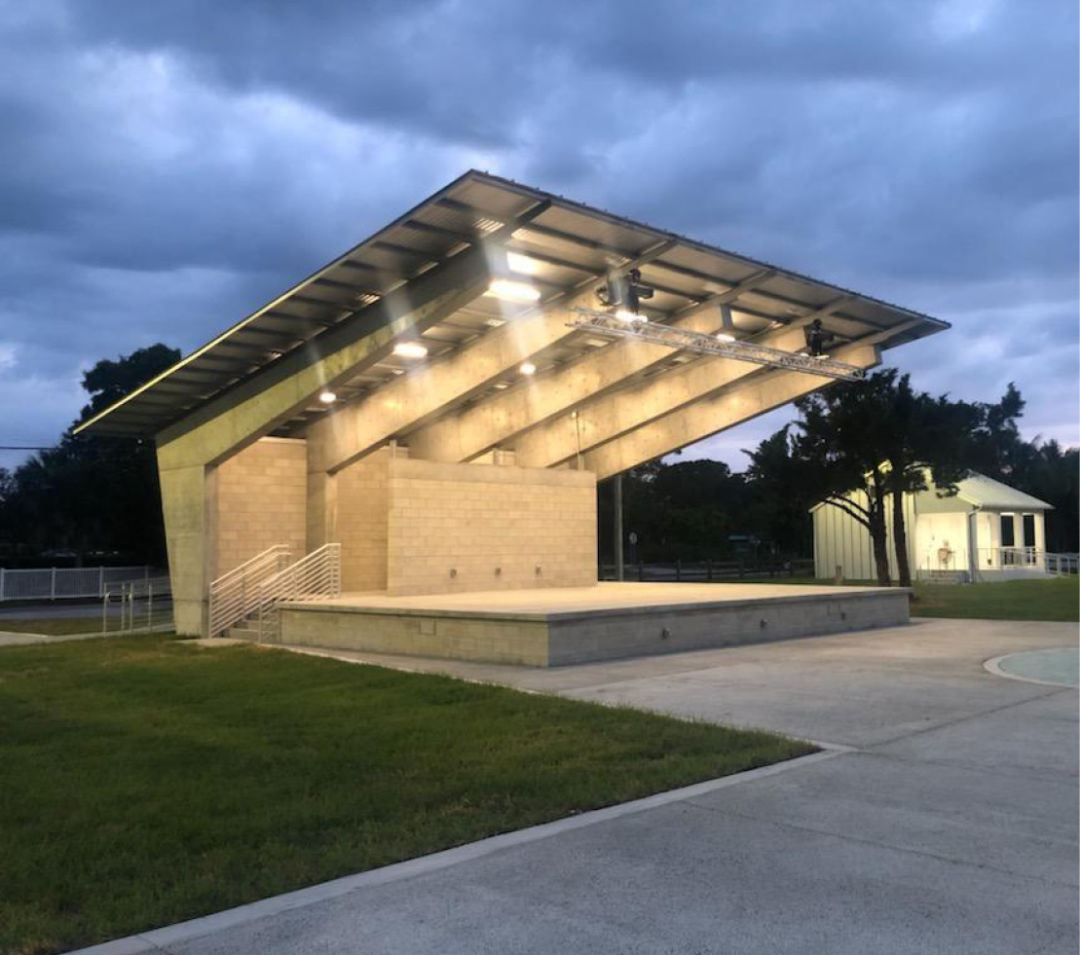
(607,325)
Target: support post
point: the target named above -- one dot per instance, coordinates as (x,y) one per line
(618,529)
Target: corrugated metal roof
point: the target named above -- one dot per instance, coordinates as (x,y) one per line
(573,242)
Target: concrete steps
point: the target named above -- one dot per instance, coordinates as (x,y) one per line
(245,630)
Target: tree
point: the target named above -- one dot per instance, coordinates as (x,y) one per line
(866,445)
(94,494)
(779,494)
(840,447)
(922,437)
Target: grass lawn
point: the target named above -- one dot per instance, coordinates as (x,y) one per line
(53,626)
(144,780)
(1054,599)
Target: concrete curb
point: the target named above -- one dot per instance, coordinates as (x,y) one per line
(156,940)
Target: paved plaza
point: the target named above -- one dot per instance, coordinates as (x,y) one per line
(942,819)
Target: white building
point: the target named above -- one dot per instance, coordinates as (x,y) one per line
(986,531)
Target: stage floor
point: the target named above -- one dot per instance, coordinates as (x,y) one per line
(553,626)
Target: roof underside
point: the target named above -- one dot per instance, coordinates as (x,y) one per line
(571,245)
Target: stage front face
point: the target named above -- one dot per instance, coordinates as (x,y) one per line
(441,400)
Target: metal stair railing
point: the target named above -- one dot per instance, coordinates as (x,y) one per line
(316,575)
(235,595)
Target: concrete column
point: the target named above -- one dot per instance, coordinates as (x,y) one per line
(186,498)
(321,509)
(189,450)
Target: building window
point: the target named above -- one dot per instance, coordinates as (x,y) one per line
(1008,533)
(1029,536)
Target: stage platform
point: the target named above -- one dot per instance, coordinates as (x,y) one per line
(555,626)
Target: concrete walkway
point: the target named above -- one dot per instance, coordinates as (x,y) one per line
(949,826)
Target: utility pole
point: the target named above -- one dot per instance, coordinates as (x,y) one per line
(617,538)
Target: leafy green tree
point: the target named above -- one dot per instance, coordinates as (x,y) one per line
(779,494)
(840,448)
(93,495)
(926,443)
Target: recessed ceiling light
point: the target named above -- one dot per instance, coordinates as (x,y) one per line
(501,385)
(409,350)
(511,291)
(517,262)
(527,368)
(327,397)
(494,322)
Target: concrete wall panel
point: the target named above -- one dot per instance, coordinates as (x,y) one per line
(260,499)
(466,527)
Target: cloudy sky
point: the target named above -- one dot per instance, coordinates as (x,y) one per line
(165,167)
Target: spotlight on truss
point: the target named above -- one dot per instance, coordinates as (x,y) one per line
(817,338)
(607,325)
(624,292)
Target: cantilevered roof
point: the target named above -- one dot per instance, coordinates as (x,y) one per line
(571,245)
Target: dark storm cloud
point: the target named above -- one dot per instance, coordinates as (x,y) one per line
(166,167)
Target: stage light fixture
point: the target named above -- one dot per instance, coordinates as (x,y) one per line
(510,291)
(624,293)
(521,264)
(410,350)
(817,337)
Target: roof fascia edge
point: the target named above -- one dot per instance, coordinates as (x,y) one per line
(622,221)
(248,319)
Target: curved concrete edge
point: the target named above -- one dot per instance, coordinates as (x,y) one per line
(154,941)
(993,665)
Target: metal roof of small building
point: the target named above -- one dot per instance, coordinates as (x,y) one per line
(574,244)
(985,492)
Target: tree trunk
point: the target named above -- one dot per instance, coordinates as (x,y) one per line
(881,551)
(876,495)
(903,567)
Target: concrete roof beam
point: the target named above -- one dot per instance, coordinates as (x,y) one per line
(728,407)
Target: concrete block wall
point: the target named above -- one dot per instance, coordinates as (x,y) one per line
(468,527)
(259,499)
(361,495)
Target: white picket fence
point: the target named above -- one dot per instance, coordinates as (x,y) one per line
(54,583)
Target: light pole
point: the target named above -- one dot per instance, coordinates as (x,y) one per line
(618,532)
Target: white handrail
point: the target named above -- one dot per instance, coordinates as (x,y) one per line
(234,595)
(315,575)
(272,551)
